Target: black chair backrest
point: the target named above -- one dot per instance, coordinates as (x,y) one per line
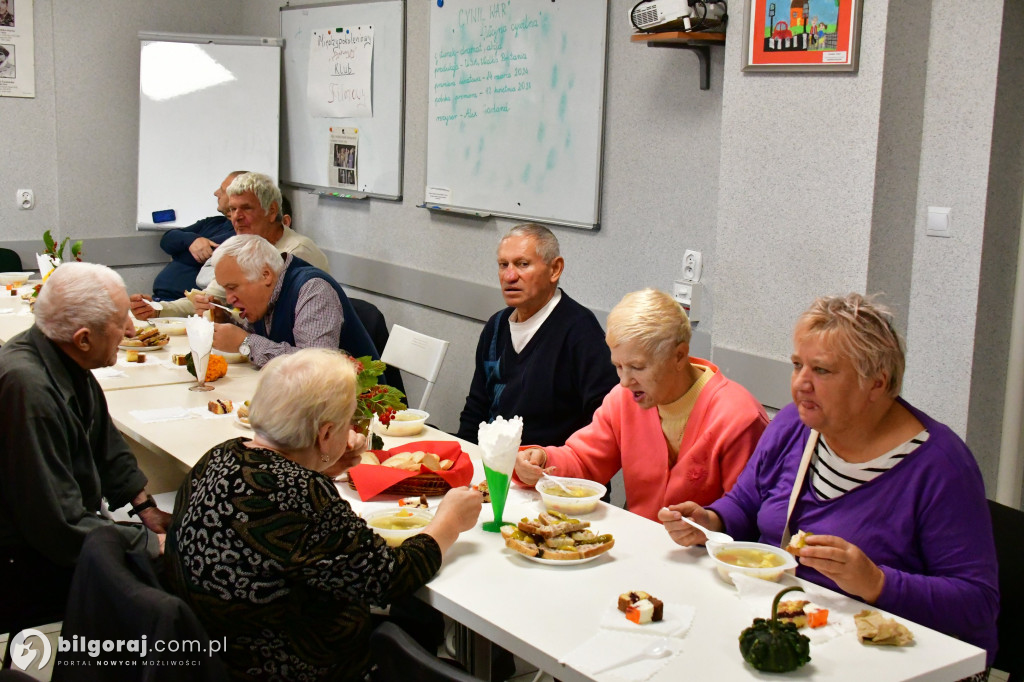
(10,261)
(373,319)
(115,595)
(1008,527)
(397,657)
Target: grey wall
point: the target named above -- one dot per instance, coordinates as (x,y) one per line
(792,185)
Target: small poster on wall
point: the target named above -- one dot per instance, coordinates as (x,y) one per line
(344,158)
(802,35)
(17,54)
(340,69)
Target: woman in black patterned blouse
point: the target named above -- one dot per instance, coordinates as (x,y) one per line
(267,553)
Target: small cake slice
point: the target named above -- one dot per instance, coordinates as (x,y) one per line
(792,611)
(131,355)
(221,406)
(627,599)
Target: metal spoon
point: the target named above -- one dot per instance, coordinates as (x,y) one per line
(656,649)
(712,535)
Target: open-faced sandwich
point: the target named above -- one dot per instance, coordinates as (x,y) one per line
(798,542)
(148,337)
(555,536)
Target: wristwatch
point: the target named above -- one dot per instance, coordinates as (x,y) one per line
(145,504)
(243,348)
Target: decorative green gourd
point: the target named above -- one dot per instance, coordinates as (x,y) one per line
(774,646)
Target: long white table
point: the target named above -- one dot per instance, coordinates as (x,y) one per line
(154,372)
(542,613)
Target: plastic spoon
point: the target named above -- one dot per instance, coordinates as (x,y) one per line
(557,480)
(657,649)
(712,535)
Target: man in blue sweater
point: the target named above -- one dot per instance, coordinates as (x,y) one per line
(544,357)
(190,247)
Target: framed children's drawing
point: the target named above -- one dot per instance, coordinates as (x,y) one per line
(802,35)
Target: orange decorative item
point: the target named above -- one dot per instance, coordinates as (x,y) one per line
(216,368)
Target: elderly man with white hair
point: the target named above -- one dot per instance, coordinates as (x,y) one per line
(284,304)
(60,454)
(254,206)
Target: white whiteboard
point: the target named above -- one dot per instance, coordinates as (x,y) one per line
(306,140)
(516,108)
(208,105)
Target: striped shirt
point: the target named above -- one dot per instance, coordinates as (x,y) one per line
(318,320)
(831,475)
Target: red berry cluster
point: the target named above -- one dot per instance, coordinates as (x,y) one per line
(387,416)
(359,366)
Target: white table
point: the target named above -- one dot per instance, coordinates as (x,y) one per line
(183,440)
(541,613)
(154,372)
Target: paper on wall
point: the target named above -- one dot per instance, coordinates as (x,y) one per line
(340,70)
(343,161)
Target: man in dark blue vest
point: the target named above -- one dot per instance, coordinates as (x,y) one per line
(284,304)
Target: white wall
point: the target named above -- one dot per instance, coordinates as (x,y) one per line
(792,185)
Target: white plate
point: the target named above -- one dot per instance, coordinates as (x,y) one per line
(241,424)
(560,562)
(142,349)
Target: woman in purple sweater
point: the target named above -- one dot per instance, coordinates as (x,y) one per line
(894,499)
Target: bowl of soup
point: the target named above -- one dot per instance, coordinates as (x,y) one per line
(398,525)
(750,558)
(14,279)
(580,496)
(404,423)
(172,326)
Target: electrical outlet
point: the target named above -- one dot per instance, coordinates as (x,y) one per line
(691,265)
(26,199)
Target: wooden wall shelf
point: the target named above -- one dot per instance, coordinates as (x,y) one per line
(695,41)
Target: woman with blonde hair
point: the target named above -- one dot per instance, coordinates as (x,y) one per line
(891,500)
(266,552)
(675,426)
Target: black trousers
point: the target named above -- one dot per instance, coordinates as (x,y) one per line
(35,590)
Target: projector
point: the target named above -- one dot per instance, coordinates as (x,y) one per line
(661,15)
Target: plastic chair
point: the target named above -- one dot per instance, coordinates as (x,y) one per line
(1008,528)
(417,354)
(10,261)
(397,657)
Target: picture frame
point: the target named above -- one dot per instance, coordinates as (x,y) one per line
(802,35)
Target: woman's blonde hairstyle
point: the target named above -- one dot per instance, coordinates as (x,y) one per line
(862,330)
(298,393)
(651,317)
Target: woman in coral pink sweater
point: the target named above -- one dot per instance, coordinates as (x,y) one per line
(675,426)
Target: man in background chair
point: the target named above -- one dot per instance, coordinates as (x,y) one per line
(254,202)
(284,304)
(544,357)
(192,246)
(60,453)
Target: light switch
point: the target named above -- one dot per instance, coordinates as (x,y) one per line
(938,222)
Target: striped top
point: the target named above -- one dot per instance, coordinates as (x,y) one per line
(831,475)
